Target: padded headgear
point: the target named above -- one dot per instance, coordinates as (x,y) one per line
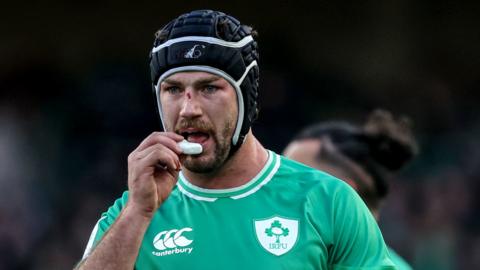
(210,41)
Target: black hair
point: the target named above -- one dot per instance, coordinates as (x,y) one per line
(382,146)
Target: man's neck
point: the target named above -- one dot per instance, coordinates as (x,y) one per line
(247,162)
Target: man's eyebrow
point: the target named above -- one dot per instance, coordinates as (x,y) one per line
(202,81)
(207,80)
(171,81)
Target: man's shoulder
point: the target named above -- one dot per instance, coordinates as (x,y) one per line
(295,174)
(118,205)
(321,192)
(296,171)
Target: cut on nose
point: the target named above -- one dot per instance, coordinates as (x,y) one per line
(190,107)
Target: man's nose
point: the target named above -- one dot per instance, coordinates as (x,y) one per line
(190,107)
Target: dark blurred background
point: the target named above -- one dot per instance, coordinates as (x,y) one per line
(75,100)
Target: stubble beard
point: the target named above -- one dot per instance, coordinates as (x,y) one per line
(210,164)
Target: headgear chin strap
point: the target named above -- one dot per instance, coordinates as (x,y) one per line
(216,43)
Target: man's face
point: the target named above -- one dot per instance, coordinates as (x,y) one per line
(202,107)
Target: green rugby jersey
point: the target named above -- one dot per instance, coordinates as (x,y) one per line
(289,216)
(399,262)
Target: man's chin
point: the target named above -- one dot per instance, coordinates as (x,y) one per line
(211,160)
(200,164)
(200,168)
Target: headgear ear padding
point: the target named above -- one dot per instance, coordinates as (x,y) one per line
(210,41)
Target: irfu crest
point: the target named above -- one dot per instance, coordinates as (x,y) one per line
(276,230)
(277,235)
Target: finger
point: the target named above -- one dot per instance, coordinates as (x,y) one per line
(167,138)
(172,180)
(165,159)
(165,184)
(155,147)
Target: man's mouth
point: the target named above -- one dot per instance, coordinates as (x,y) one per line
(195,136)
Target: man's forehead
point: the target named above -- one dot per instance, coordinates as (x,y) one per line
(188,77)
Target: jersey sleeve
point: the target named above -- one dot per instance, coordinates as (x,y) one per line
(358,240)
(105,221)
(398,261)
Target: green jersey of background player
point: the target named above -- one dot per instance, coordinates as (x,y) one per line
(236,205)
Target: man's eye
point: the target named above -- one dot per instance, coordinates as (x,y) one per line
(210,89)
(172,89)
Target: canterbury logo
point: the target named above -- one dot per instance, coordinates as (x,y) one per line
(194,52)
(172,239)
